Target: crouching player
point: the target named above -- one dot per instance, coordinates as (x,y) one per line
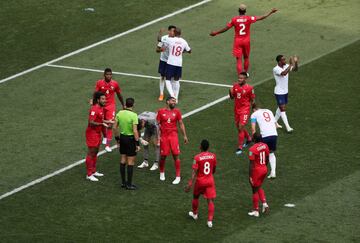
(259,157)
(203,169)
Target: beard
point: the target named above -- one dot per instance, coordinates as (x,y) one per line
(171,106)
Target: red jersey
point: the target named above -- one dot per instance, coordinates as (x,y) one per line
(243,95)
(241,26)
(258,153)
(109,89)
(96,114)
(168,120)
(204,163)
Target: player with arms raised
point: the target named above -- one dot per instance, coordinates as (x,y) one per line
(168,118)
(204,167)
(109,87)
(244,96)
(241,46)
(258,156)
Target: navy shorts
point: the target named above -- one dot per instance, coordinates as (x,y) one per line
(162,68)
(173,72)
(270,142)
(281,99)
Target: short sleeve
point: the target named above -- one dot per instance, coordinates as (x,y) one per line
(195,165)
(253,118)
(253,19)
(277,71)
(117,88)
(97,86)
(215,161)
(178,115)
(158,116)
(230,23)
(92,115)
(135,120)
(252,94)
(187,47)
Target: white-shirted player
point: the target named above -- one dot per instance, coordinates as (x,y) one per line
(281,75)
(267,125)
(176,46)
(164,54)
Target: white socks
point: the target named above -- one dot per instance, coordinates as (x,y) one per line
(162,85)
(285,120)
(169,88)
(176,88)
(277,114)
(272,160)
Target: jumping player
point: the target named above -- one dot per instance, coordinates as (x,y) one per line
(244,96)
(93,134)
(109,87)
(241,46)
(168,118)
(258,156)
(266,121)
(204,167)
(164,55)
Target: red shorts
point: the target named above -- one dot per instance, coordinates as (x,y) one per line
(169,143)
(258,175)
(207,189)
(242,118)
(109,112)
(241,48)
(93,138)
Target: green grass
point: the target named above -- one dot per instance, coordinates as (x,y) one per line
(317,165)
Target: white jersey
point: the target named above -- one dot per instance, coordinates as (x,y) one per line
(149,117)
(177,46)
(266,121)
(164,55)
(281,86)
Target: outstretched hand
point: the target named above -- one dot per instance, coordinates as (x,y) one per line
(273,10)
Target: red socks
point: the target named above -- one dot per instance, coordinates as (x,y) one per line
(261,194)
(195,205)
(255,199)
(162,165)
(246,63)
(241,137)
(108,136)
(211,209)
(177,167)
(239,65)
(246,134)
(90,165)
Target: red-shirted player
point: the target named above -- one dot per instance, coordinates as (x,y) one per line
(168,118)
(93,134)
(109,87)
(244,96)
(241,46)
(203,169)
(259,158)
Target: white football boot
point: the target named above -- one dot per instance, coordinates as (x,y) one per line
(92,178)
(155,166)
(162,176)
(176,181)
(265,208)
(253,213)
(108,149)
(209,224)
(98,174)
(192,215)
(144,164)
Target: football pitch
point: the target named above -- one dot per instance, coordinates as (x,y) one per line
(44,117)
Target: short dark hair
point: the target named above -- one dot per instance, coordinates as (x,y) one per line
(244,73)
(171,27)
(169,98)
(96,97)
(107,70)
(278,57)
(177,31)
(254,106)
(242,12)
(257,137)
(204,145)
(129,102)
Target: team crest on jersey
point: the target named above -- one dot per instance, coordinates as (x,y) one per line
(92,113)
(107,91)
(243,91)
(112,87)
(173,114)
(250,153)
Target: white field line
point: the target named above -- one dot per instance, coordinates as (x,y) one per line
(41,179)
(136,75)
(105,40)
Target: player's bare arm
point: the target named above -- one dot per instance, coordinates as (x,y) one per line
(274,10)
(214,33)
(183,131)
(296,61)
(192,180)
(121,99)
(231,93)
(286,71)
(116,131)
(94,123)
(137,137)
(253,128)
(161,33)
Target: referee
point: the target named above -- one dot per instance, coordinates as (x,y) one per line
(126,125)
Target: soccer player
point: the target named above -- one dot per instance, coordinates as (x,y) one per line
(244,96)
(151,134)
(266,121)
(168,118)
(258,156)
(128,141)
(176,46)
(241,46)
(164,55)
(93,134)
(204,167)
(109,87)
(281,75)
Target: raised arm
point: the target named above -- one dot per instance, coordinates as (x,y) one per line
(214,33)
(266,15)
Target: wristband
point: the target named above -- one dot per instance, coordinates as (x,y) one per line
(117,138)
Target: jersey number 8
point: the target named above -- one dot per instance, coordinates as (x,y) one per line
(206,168)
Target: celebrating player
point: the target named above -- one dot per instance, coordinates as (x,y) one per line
(151,134)
(168,118)
(164,55)
(93,134)
(109,86)
(258,155)
(266,121)
(204,167)
(243,95)
(241,46)
(176,47)
(281,75)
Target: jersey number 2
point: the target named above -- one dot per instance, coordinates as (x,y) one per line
(242,28)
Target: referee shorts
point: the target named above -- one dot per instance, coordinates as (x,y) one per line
(127,145)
